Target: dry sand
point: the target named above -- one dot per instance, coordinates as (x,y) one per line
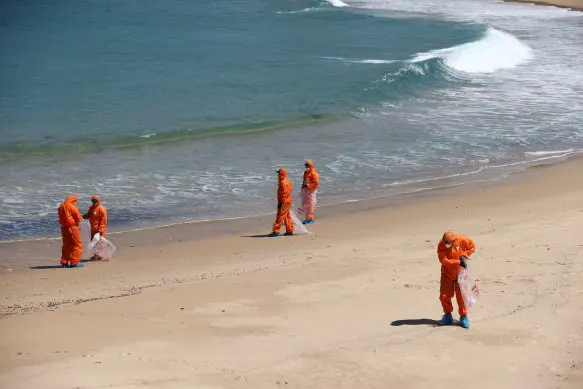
(573,4)
(352,306)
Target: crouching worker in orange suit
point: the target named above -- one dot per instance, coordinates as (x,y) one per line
(309,189)
(69,218)
(97,215)
(453,251)
(284,204)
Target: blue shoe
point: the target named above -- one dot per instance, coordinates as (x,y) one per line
(273,235)
(308,222)
(446,320)
(464,322)
(78,265)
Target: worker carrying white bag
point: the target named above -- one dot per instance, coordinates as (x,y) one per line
(308,199)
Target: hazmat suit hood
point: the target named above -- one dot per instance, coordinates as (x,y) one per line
(72,199)
(448,237)
(96,197)
(309,164)
(282,173)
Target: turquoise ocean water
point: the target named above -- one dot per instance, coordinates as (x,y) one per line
(176,111)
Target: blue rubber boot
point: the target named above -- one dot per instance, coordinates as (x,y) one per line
(464,322)
(446,320)
(309,222)
(273,234)
(78,265)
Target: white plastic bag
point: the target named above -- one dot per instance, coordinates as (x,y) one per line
(103,247)
(468,287)
(95,239)
(85,229)
(299,228)
(308,202)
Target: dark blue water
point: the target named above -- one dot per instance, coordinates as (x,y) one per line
(109,69)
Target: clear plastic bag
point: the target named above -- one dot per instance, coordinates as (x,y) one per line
(103,247)
(299,228)
(85,229)
(308,202)
(468,287)
(95,239)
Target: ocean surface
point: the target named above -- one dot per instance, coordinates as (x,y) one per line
(178,110)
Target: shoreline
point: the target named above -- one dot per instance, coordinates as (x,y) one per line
(35,250)
(488,175)
(574,5)
(44,253)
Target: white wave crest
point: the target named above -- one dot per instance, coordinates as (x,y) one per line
(550,152)
(337,3)
(496,50)
(372,61)
(363,61)
(298,11)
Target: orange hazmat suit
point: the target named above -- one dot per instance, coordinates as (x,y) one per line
(69,218)
(309,189)
(97,215)
(449,250)
(284,203)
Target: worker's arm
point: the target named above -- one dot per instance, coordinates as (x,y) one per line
(468,246)
(76,215)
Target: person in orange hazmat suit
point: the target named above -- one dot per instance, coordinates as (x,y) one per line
(284,204)
(308,193)
(453,251)
(69,218)
(97,215)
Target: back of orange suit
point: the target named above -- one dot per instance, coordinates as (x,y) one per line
(284,203)
(69,218)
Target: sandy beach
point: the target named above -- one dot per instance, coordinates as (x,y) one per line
(352,306)
(573,4)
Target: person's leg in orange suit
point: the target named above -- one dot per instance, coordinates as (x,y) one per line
(72,246)
(283,216)
(76,249)
(460,300)
(289,223)
(310,208)
(447,290)
(66,248)
(278,221)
